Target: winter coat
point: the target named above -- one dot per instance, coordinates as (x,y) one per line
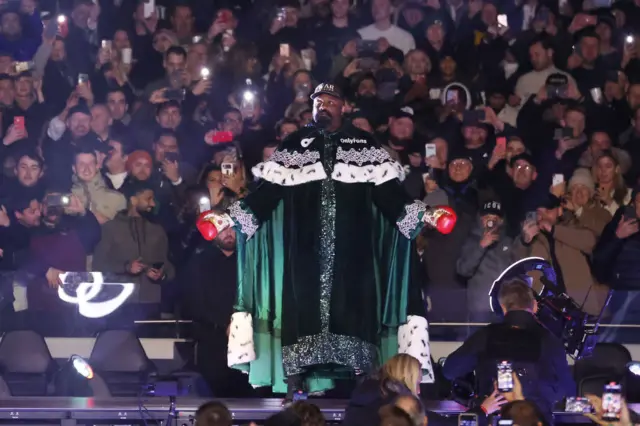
(127,238)
(97,197)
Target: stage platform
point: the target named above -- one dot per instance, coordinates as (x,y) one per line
(92,411)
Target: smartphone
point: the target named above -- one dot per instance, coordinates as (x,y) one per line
(503,21)
(558,178)
(481,114)
(630,212)
(58,200)
(106,44)
(205,73)
(467,419)
(281,14)
(505,376)
(563,133)
(452,97)
(149,8)
(578,405)
(23,66)
(173,157)
(222,137)
(18,123)
(501,142)
(285,50)
(83,78)
(368,63)
(175,94)
(531,217)
(505,422)
(612,402)
(434,94)
(204,204)
(629,40)
(227,169)
(430,150)
(366,47)
(224,16)
(51,29)
(157,265)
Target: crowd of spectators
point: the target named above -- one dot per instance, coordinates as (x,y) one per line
(121,120)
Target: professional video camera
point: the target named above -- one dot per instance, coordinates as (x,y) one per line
(557,312)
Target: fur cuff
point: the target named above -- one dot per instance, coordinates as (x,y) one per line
(413,339)
(241,348)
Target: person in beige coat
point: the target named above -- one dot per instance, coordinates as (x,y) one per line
(89,186)
(567,246)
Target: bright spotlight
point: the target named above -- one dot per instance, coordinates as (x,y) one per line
(82,367)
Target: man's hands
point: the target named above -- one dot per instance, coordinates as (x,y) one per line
(136,267)
(626,227)
(53,277)
(499,153)
(14,134)
(489,237)
(596,403)
(493,402)
(171,170)
(75,206)
(155,274)
(5,221)
(529,231)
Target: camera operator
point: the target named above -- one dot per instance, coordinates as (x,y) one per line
(537,357)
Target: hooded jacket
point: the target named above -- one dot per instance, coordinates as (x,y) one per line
(97,197)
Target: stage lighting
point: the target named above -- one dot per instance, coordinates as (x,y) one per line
(634,368)
(82,367)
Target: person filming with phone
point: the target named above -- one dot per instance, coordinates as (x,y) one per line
(518,344)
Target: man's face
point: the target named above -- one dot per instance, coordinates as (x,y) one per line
(197,56)
(523,174)
(141,169)
(5,64)
(547,215)
(600,141)
(117,103)
(327,109)
(367,88)
(80,15)
(232,122)
(59,51)
(226,240)
(633,96)
(31,216)
(85,167)
(24,86)
(417,62)
(121,40)
(267,152)
(589,49)
(100,119)
(11,24)
(165,144)
(144,202)
(169,117)
(182,20)
(7,92)
(435,33)
(28,171)
(401,128)
(514,147)
(491,219)
(497,101)
(460,170)
(380,10)
(79,125)
(116,159)
(580,194)
(286,129)
(575,120)
(474,135)
(448,66)
(340,8)
(540,57)
(174,63)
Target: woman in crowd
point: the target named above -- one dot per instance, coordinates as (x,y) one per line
(611,190)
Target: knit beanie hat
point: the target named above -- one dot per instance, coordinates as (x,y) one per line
(135,156)
(582,176)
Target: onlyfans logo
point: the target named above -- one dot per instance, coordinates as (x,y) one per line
(351,140)
(86,295)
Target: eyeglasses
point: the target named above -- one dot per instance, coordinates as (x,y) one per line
(526,167)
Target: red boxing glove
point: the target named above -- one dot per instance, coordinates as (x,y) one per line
(210,224)
(443,218)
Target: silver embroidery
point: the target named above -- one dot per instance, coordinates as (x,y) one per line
(244,217)
(411,218)
(361,156)
(297,159)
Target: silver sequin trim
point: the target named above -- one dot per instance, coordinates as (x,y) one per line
(361,156)
(244,217)
(410,221)
(295,158)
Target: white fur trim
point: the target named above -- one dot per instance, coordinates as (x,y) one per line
(285,176)
(240,348)
(413,339)
(374,173)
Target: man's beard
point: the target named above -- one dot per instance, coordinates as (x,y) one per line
(147,214)
(226,245)
(323,119)
(398,142)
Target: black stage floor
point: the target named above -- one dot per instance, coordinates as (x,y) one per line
(71,411)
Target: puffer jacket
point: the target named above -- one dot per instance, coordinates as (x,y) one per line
(482,266)
(97,197)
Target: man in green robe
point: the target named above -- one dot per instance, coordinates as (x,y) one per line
(325,259)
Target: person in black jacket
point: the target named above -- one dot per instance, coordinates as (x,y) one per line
(615,261)
(536,355)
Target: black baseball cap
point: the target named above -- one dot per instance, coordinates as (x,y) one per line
(81,108)
(404,112)
(328,89)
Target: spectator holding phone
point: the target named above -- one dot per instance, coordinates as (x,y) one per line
(134,246)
